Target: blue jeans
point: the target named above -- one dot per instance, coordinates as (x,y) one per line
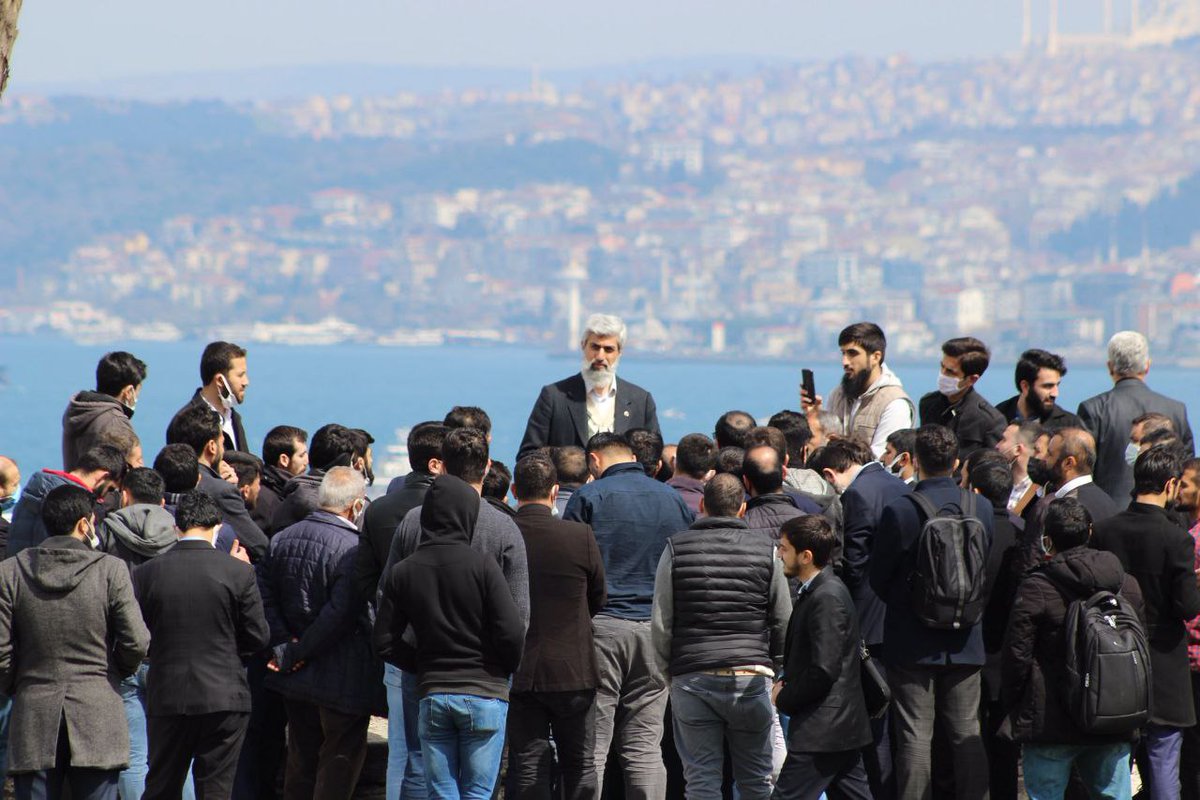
(462,737)
(1104,768)
(707,711)
(132,781)
(1163,746)
(406,764)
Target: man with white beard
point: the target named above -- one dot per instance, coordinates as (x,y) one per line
(573,410)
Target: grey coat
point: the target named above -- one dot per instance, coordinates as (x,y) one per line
(70,630)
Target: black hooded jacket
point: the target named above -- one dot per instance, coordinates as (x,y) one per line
(469,635)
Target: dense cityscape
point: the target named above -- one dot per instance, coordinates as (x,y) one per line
(1021,198)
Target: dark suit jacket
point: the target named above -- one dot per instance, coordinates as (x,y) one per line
(862,506)
(239,431)
(559,417)
(233,512)
(1110,415)
(906,640)
(822,685)
(1160,555)
(974,421)
(205,615)
(566,589)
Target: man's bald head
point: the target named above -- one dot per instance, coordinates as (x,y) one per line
(762,470)
(10,477)
(1077,444)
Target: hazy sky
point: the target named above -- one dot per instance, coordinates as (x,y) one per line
(69,40)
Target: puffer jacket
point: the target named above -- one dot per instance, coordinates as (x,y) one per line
(1033,661)
(27,529)
(89,416)
(318,617)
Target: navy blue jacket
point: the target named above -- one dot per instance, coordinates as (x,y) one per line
(309,594)
(631,516)
(27,529)
(906,640)
(862,507)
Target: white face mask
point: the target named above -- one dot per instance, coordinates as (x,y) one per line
(1132,451)
(228,398)
(947,385)
(360,509)
(894,466)
(93,539)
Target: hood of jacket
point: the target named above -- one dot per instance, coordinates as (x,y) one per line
(1084,571)
(816,488)
(143,528)
(449,512)
(309,480)
(58,564)
(85,407)
(276,479)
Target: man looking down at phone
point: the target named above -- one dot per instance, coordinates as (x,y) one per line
(870,402)
(224,380)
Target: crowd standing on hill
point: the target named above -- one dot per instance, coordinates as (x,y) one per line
(866,597)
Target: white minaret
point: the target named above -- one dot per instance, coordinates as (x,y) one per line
(1052,33)
(575,274)
(1108,17)
(1026,23)
(1133,17)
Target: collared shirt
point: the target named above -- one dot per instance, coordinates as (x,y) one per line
(1018,491)
(1193,626)
(601,407)
(1072,485)
(804,586)
(198,539)
(226,419)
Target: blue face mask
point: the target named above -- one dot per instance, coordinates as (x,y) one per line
(7,504)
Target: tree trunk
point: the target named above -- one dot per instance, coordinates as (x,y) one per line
(9,9)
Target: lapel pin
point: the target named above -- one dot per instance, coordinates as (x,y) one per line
(627,413)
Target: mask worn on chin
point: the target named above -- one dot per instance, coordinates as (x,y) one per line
(894,467)
(359,514)
(1132,451)
(93,539)
(7,504)
(947,385)
(1040,472)
(228,399)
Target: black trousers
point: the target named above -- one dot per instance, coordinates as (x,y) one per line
(83,783)
(325,754)
(533,719)
(1189,758)
(208,743)
(806,776)
(265,744)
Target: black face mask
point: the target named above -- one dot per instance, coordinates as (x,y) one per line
(1040,472)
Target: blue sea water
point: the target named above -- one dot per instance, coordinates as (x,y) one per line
(385,389)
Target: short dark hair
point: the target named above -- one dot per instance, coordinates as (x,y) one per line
(723,496)
(1067,523)
(334,445)
(763,472)
(731,427)
(246,465)
(796,431)
(840,455)
(217,359)
(496,481)
(1029,431)
(990,473)
(811,532)
(972,354)
(647,447)
(144,485)
(534,477)
(1033,360)
(195,425)
(867,334)
(729,461)
(468,417)
(1154,467)
(903,440)
(103,458)
(64,506)
(197,509)
(695,455)
(936,449)
(281,441)
(771,437)
(1153,421)
(1160,436)
(119,369)
(425,443)
(607,440)
(571,464)
(465,454)
(179,468)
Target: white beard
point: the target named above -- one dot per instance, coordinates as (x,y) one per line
(597,378)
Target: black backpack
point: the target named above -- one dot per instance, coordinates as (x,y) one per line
(1108,680)
(947,581)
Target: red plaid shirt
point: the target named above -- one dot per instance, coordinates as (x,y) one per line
(1193,626)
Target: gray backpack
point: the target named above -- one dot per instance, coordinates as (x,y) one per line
(946,584)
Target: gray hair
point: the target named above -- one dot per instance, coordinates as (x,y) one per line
(1128,354)
(605,325)
(830,423)
(340,487)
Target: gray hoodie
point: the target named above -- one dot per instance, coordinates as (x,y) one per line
(138,533)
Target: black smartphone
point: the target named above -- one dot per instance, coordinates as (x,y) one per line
(807,385)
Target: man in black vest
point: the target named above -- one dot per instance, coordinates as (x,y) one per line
(205,615)
(721,607)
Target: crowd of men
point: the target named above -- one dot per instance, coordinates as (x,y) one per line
(867,596)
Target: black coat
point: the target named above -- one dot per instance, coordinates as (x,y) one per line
(1057,419)
(1160,555)
(559,417)
(566,589)
(822,685)
(862,506)
(205,615)
(1002,576)
(1098,504)
(274,481)
(299,500)
(233,512)
(1034,658)
(380,522)
(974,421)
(1110,415)
(239,441)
